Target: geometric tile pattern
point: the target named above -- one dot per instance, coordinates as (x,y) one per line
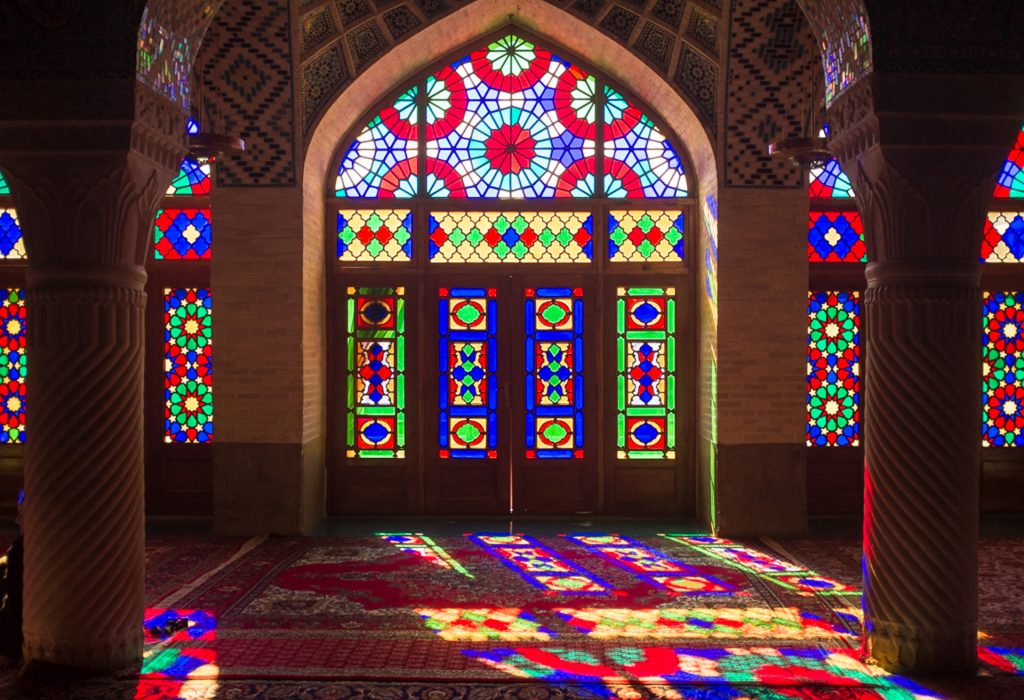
(247,58)
(771,58)
(341,38)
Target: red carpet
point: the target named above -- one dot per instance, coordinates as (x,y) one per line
(364,609)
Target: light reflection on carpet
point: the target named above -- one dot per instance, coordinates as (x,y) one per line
(539,565)
(651,565)
(484,624)
(177,661)
(655,665)
(423,546)
(736,623)
(768,568)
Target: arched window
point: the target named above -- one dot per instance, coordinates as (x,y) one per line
(180,377)
(510,295)
(13,325)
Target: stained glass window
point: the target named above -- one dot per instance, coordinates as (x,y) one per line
(374,234)
(836,237)
(5,189)
(381,162)
(193,179)
(645,236)
(12,244)
(830,182)
(1003,241)
(833,369)
(181,234)
(376,372)
(554,382)
(539,237)
(1003,370)
(188,370)
(13,369)
(645,321)
(639,160)
(511,120)
(468,395)
(1010,182)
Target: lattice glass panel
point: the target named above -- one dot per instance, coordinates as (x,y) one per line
(833,369)
(645,324)
(375,376)
(554,376)
(188,367)
(366,235)
(511,237)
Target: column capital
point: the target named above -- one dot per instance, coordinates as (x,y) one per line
(918,274)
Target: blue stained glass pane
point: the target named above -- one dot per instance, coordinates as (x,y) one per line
(554,361)
(12,245)
(468,396)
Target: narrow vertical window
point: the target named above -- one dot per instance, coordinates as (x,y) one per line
(468,358)
(188,371)
(1003,370)
(646,380)
(376,372)
(554,383)
(13,369)
(833,369)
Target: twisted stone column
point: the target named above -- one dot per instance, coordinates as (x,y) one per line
(922,153)
(84,535)
(922,454)
(86,198)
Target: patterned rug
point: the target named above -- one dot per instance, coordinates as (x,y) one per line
(478,616)
(586,609)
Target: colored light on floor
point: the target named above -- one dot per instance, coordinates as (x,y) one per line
(658,665)
(735,623)
(651,565)
(766,567)
(484,624)
(539,565)
(423,546)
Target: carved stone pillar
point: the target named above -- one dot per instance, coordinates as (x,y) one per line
(922,453)
(84,534)
(923,182)
(87,217)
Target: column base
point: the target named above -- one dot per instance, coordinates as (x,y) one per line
(98,655)
(915,651)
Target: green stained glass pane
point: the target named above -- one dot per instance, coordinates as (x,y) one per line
(646,367)
(376,372)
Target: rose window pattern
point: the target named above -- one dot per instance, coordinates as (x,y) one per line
(511,121)
(376,372)
(833,369)
(645,322)
(188,380)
